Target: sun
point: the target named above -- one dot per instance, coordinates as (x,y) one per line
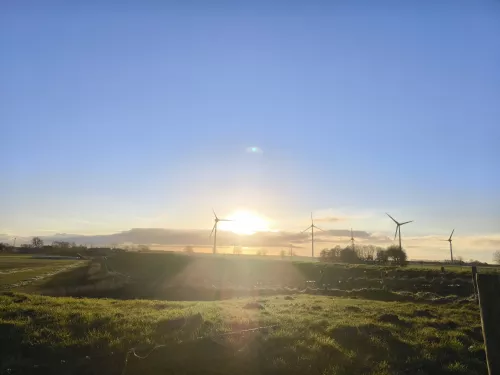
(245,222)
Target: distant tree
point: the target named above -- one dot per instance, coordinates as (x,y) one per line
(396,255)
(282,254)
(37,242)
(142,248)
(335,253)
(237,250)
(324,254)
(348,255)
(261,252)
(4,247)
(365,252)
(188,249)
(61,244)
(381,256)
(26,246)
(369,252)
(496,257)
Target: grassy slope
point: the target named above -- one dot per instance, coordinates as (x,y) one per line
(177,276)
(22,270)
(315,335)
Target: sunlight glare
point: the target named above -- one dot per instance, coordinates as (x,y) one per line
(245,222)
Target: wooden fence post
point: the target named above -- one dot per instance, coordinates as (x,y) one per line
(489,303)
(474,281)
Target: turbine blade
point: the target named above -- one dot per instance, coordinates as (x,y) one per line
(212,230)
(225,220)
(318,228)
(451,234)
(406,222)
(309,227)
(392,218)
(396,234)
(214,213)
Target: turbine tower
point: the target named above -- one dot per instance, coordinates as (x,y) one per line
(398,228)
(312,226)
(214,230)
(352,240)
(451,247)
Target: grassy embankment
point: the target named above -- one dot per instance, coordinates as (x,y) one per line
(313,334)
(18,271)
(182,277)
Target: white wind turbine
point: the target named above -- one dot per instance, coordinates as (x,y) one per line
(312,227)
(451,247)
(398,229)
(214,230)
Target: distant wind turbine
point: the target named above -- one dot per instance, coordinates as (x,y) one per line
(312,226)
(398,228)
(352,239)
(214,230)
(451,247)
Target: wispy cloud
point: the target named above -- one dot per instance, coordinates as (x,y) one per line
(330,219)
(340,214)
(418,247)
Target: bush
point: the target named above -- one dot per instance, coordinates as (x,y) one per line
(348,255)
(396,255)
(382,256)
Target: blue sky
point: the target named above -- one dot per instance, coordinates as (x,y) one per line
(123,116)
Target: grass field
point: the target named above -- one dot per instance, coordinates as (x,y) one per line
(181,277)
(353,319)
(312,334)
(19,271)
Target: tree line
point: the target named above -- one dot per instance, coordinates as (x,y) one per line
(365,254)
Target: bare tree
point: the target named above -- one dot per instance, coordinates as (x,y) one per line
(61,244)
(261,252)
(496,257)
(189,249)
(37,242)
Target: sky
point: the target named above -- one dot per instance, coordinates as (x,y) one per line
(116,116)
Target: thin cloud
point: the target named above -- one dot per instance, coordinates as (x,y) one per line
(423,247)
(330,219)
(338,214)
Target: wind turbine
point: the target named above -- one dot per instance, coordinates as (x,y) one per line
(398,228)
(451,247)
(214,230)
(312,226)
(352,240)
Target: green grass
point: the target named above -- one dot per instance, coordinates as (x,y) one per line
(182,277)
(314,335)
(13,262)
(18,271)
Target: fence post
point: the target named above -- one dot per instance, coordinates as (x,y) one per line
(474,281)
(489,303)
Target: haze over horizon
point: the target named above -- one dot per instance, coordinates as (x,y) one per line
(148,115)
